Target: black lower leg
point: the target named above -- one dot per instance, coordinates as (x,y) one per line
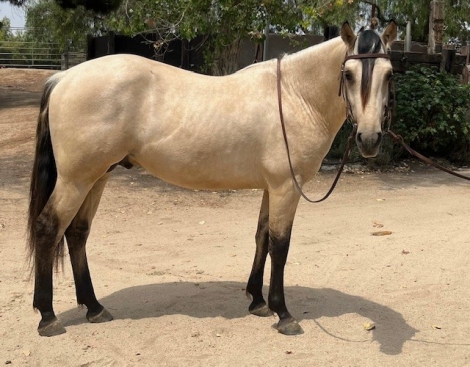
(45,251)
(76,236)
(255,282)
(278,250)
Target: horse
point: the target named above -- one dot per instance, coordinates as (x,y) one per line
(198,132)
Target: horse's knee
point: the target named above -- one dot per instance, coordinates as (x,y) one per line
(78,230)
(279,245)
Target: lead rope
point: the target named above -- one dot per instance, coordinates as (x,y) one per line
(399,139)
(345,156)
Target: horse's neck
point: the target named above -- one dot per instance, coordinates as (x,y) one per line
(314,73)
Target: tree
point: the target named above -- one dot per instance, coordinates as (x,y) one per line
(98,6)
(5,31)
(224,23)
(417,12)
(48,22)
(15,2)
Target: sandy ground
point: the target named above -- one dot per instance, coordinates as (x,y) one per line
(172,265)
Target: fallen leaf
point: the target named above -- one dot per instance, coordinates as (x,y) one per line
(404,252)
(378,225)
(435,327)
(369,326)
(288,352)
(381,233)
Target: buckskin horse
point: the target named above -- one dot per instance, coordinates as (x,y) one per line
(198,132)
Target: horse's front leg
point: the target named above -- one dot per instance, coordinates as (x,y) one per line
(282,208)
(254,287)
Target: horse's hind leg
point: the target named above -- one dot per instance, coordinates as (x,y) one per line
(76,236)
(50,226)
(254,287)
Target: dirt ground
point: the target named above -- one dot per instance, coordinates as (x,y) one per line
(172,265)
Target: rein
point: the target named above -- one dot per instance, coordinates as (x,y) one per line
(343,161)
(389,110)
(399,139)
(349,117)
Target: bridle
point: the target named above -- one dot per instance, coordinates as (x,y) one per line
(388,112)
(388,108)
(349,117)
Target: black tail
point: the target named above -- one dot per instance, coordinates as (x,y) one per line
(44,175)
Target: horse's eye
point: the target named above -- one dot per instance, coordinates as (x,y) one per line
(388,76)
(348,75)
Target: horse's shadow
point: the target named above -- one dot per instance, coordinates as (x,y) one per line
(227,299)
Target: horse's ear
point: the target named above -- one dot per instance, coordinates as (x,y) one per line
(390,34)
(348,36)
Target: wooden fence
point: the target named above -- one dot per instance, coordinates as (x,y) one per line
(188,55)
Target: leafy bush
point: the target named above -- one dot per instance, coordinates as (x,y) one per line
(433,113)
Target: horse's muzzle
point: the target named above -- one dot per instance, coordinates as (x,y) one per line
(369,143)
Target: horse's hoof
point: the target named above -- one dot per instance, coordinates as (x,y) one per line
(289,327)
(262,311)
(51,328)
(102,316)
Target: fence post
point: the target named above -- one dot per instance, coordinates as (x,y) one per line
(330,32)
(436,26)
(90,47)
(448,60)
(111,43)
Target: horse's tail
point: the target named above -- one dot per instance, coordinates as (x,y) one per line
(44,175)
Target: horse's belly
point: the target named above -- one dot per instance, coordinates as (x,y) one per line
(202,171)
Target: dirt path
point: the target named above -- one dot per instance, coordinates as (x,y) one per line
(172,265)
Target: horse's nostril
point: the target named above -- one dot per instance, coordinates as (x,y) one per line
(359,137)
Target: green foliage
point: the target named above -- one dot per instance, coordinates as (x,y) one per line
(433,112)
(48,22)
(457,15)
(5,31)
(223,23)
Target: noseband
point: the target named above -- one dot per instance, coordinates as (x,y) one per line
(342,87)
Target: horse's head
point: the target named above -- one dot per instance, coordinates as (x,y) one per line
(365,83)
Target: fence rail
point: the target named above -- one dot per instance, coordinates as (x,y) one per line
(22,54)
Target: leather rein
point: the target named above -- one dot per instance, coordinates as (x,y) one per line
(349,117)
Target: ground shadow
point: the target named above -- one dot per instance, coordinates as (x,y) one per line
(16,98)
(227,299)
